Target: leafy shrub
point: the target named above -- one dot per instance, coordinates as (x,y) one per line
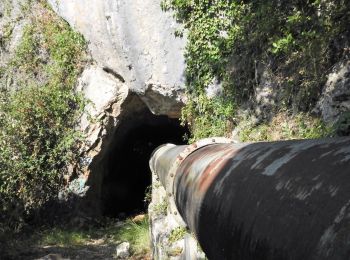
(38,116)
(137,233)
(298,41)
(208,117)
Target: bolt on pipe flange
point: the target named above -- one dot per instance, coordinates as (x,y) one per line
(173,169)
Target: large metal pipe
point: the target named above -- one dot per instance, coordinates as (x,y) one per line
(269,200)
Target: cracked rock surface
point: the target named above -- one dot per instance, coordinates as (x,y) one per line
(134,40)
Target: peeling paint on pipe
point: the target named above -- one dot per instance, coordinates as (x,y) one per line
(269,200)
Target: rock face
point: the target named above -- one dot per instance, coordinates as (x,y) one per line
(135,42)
(10,34)
(166,242)
(138,67)
(335,98)
(12,23)
(106,98)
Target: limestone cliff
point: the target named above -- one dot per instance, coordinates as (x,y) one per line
(134,77)
(133,41)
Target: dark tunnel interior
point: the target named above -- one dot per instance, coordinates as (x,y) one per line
(128,174)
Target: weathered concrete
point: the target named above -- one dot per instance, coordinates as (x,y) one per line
(277,200)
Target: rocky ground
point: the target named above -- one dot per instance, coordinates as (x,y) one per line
(112,239)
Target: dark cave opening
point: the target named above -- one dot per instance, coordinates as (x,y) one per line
(128,174)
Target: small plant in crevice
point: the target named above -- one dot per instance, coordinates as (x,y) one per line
(148,195)
(160,208)
(174,251)
(177,234)
(283,127)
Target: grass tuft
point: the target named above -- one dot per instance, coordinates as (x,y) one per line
(64,237)
(137,234)
(134,232)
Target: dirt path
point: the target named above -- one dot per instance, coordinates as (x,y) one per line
(74,243)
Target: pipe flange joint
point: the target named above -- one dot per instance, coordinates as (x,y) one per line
(170,188)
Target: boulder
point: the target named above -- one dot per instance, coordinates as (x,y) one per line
(123,250)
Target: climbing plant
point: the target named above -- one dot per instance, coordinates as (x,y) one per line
(228,41)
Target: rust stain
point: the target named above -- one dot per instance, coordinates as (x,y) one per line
(214,168)
(211,160)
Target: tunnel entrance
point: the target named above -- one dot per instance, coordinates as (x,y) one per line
(128,175)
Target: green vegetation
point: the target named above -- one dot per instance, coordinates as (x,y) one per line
(161,208)
(177,234)
(85,242)
(175,251)
(7,7)
(148,195)
(136,233)
(38,113)
(209,117)
(67,237)
(298,42)
(284,126)
(6,35)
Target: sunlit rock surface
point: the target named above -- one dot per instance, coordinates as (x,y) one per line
(135,42)
(335,98)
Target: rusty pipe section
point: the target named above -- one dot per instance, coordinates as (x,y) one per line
(168,154)
(271,200)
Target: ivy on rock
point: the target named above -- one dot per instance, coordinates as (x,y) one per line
(297,41)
